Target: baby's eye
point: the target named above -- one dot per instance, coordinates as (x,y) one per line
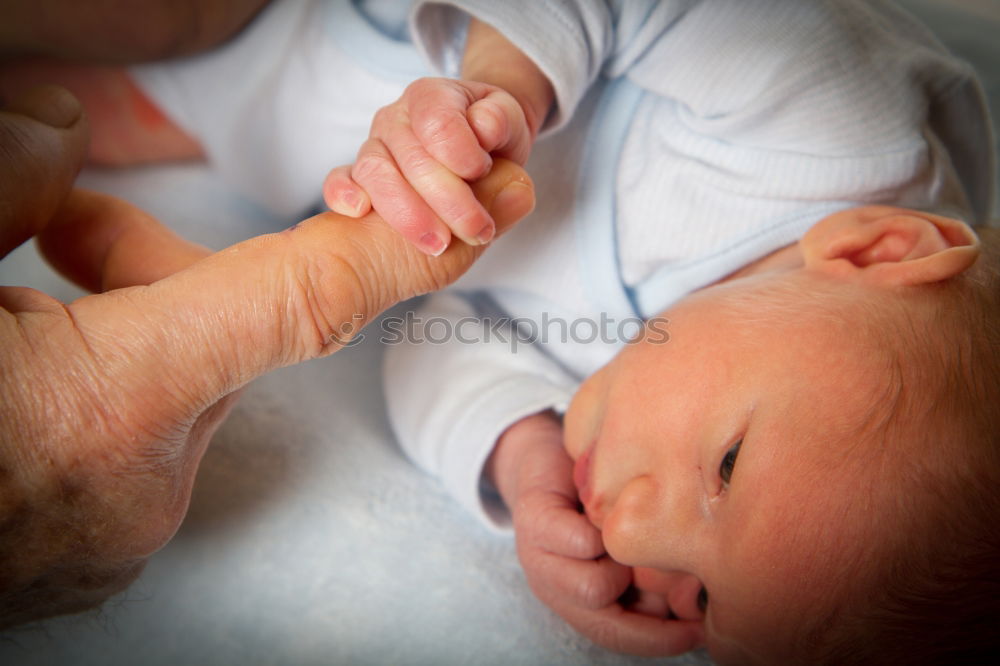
(729,462)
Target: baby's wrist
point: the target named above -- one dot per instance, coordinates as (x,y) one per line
(501,468)
(505,465)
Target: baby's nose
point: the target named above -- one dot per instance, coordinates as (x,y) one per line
(649,525)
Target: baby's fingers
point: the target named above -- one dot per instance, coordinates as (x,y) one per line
(620,630)
(342,195)
(501,127)
(649,603)
(438,115)
(396,201)
(551,521)
(590,584)
(442,193)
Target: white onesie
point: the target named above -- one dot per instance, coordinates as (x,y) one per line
(689,138)
(715,134)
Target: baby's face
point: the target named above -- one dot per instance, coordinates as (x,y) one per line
(721,454)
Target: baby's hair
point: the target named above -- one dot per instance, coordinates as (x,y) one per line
(937,597)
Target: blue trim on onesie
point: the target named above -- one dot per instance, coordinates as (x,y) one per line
(596,226)
(352,32)
(594,211)
(671,283)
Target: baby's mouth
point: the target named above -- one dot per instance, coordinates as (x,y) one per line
(581,478)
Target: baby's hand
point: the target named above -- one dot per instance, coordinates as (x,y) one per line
(421,154)
(673,594)
(562,554)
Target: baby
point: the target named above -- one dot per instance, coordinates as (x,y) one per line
(682,203)
(812,456)
(787,462)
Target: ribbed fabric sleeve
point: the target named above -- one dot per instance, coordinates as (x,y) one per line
(454,382)
(571,41)
(765,115)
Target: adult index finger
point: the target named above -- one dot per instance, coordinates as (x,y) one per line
(273,300)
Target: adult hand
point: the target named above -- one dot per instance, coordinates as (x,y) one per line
(119,30)
(107,403)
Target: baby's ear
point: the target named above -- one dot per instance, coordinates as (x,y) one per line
(890,246)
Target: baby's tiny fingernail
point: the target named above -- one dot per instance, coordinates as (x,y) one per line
(338,207)
(486,234)
(350,203)
(432,244)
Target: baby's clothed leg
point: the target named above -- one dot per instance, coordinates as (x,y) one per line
(126,127)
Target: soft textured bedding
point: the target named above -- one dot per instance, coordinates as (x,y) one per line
(310,538)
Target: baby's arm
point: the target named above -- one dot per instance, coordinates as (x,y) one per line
(475,380)
(562,553)
(424,148)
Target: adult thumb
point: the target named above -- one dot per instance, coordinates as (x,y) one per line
(273,300)
(43,142)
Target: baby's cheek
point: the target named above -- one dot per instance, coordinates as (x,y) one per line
(579,421)
(582,420)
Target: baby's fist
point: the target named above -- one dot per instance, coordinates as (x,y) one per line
(423,151)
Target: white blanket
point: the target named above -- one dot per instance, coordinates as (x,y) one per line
(310,539)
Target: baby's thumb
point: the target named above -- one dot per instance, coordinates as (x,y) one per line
(278,299)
